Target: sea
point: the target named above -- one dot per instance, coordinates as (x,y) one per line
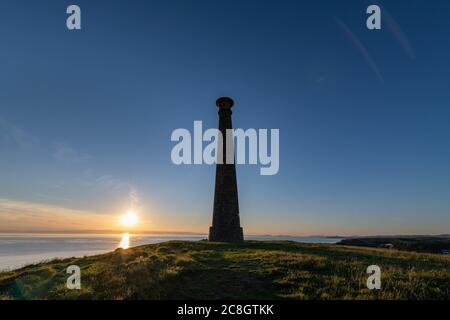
(19,250)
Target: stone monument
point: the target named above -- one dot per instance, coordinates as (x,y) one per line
(226,226)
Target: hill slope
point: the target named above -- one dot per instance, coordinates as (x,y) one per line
(254,270)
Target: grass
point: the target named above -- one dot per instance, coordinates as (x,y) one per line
(254,270)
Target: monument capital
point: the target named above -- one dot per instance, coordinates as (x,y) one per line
(224,103)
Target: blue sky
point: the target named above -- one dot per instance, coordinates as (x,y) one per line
(86,116)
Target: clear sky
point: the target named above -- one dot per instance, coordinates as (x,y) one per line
(86,116)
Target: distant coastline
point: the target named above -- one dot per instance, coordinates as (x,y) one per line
(424,244)
(170,232)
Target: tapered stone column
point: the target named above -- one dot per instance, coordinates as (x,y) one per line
(226,226)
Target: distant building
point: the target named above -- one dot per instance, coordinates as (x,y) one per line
(445,251)
(387,245)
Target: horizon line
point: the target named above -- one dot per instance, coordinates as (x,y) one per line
(165,232)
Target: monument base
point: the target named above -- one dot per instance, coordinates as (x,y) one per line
(236,236)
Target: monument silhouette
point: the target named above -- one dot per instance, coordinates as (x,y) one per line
(226,226)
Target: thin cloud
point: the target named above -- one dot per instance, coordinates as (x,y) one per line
(14,135)
(110,182)
(134,199)
(68,154)
(361,48)
(51,197)
(113,184)
(20,216)
(11,134)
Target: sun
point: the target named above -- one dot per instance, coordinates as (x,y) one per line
(129,219)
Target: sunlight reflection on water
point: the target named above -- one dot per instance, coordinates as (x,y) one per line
(125,242)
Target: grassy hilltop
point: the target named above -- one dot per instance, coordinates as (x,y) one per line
(254,270)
